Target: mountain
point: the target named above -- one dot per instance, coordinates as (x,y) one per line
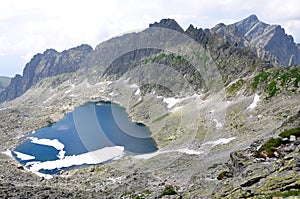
(269,42)
(48,64)
(215,107)
(4,82)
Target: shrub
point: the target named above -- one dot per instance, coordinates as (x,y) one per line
(269,147)
(288,133)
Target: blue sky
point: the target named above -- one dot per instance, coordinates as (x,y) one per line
(29,27)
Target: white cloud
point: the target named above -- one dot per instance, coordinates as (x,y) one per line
(32,26)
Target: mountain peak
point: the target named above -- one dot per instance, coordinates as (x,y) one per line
(168,23)
(252,18)
(246,24)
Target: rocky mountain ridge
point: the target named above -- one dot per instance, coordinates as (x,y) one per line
(4,82)
(269,42)
(171,88)
(50,63)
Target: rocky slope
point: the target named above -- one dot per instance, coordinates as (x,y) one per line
(4,82)
(50,63)
(269,42)
(202,97)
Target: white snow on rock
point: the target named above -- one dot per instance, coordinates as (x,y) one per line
(184,150)
(93,157)
(23,156)
(138,91)
(218,124)
(254,103)
(133,86)
(219,141)
(171,101)
(7,152)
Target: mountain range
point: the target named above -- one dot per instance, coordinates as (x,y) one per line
(222,105)
(249,36)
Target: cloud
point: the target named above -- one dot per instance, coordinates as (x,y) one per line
(32,26)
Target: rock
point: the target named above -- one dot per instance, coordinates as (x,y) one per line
(269,42)
(167,23)
(48,64)
(292,138)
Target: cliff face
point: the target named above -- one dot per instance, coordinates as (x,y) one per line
(48,64)
(269,42)
(4,82)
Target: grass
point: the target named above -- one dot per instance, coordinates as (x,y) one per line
(272,89)
(262,77)
(231,90)
(285,194)
(269,147)
(288,133)
(277,80)
(169,191)
(161,117)
(224,175)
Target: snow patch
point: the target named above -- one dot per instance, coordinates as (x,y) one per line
(113,94)
(8,153)
(93,157)
(2,109)
(171,101)
(133,86)
(184,150)
(54,143)
(254,103)
(219,141)
(189,151)
(138,91)
(218,124)
(23,156)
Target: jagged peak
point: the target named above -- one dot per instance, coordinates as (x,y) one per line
(168,23)
(49,51)
(252,18)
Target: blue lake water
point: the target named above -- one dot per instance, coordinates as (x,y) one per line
(93,133)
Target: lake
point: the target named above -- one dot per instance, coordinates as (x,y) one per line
(92,134)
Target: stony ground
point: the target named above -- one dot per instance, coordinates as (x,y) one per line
(184,175)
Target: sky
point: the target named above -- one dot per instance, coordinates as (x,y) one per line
(29,27)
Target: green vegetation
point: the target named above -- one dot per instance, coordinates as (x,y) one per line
(262,77)
(161,117)
(272,89)
(285,194)
(164,56)
(269,147)
(277,80)
(168,191)
(231,90)
(287,133)
(224,175)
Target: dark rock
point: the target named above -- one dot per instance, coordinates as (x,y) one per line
(269,42)
(167,23)
(48,64)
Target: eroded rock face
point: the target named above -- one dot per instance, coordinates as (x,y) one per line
(48,64)
(267,41)
(253,177)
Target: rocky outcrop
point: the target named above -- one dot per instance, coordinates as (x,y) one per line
(48,64)
(167,23)
(269,42)
(4,82)
(258,177)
